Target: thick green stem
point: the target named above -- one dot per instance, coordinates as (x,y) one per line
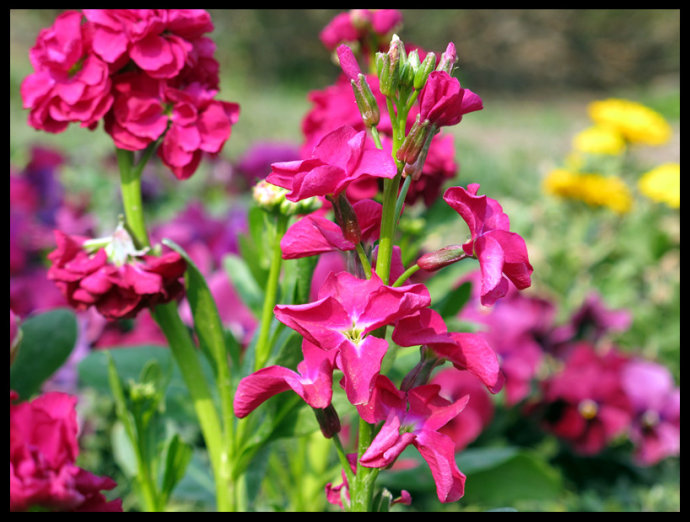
(185,354)
(176,332)
(263,348)
(362,490)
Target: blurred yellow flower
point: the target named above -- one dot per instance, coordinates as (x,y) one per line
(634,121)
(599,139)
(662,184)
(593,189)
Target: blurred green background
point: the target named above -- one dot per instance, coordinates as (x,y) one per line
(536,71)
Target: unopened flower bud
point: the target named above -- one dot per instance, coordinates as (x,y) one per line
(366,102)
(414,142)
(346,218)
(328,420)
(268,196)
(440,258)
(448,59)
(424,70)
(389,67)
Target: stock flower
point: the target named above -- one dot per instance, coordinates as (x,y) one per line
(346,311)
(637,123)
(466,351)
(443,102)
(502,254)
(117,280)
(43,451)
(313,382)
(357,25)
(415,418)
(662,184)
(69,83)
(340,157)
(585,404)
(655,428)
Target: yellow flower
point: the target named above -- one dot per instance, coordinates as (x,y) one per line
(634,121)
(599,139)
(593,189)
(662,184)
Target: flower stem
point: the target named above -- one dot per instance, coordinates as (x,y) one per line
(176,332)
(405,275)
(262,346)
(362,489)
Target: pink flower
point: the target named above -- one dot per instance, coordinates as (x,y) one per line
(347,310)
(585,404)
(157,40)
(115,290)
(70,82)
(502,254)
(416,418)
(43,450)
(466,351)
(443,102)
(358,25)
(655,428)
(313,382)
(340,157)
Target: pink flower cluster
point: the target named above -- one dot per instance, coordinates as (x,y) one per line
(116,290)
(43,451)
(149,74)
(361,26)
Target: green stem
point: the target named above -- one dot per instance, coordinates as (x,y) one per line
(362,489)
(130,187)
(344,462)
(176,332)
(405,275)
(263,347)
(364,260)
(184,352)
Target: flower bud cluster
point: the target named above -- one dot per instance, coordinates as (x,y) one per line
(272,199)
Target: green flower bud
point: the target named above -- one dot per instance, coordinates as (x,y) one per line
(414,142)
(366,102)
(347,219)
(440,258)
(424,70)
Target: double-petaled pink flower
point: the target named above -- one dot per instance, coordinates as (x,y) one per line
(69,83)
(415,418)
(502,254)
(43,451)
(116,288)
(341,157)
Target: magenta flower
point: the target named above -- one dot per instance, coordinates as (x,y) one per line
(466,351)
(70,82)
(502,254)
(443,102)
(340,157)
(585,404)
(359,25)
(416,418)
(655,427)
(116,288)
(43,451)
(313,382)
(346,311)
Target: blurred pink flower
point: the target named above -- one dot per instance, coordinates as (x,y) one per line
(43,451)
(360,25)
(655,428)
(585,403)
(502,254)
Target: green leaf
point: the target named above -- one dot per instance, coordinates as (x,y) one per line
(207,322)
(177,455)
(451,304)
(47,342)
(242,280)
